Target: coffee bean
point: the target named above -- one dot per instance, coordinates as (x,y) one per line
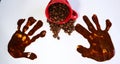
(67,27)
(58,12)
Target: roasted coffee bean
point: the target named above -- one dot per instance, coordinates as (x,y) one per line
(67,27)
(58,12)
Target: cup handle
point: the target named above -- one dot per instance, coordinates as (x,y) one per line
(74,15)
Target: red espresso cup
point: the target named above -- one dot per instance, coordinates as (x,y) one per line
(71,16)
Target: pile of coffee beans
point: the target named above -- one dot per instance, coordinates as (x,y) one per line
(67,27)
(58,12)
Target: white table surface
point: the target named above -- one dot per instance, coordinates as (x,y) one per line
(48,49)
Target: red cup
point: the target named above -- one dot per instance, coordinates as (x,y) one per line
(71,16)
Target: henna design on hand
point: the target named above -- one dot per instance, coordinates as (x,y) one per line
(20,40)
(101,47)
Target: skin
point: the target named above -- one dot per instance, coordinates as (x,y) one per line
(101,47)
(20,40)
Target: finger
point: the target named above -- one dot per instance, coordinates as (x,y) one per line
(36,27)
(89,24)
(42,34)
(30,22)
(84,32)
(108,25)
(19,23)
(95,19)
(31,56)
(84,51)
(28,55)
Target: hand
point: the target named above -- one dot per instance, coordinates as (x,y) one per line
(101,47)
(20,40)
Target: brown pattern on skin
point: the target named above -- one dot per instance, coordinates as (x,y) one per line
(101,47)
(20,40)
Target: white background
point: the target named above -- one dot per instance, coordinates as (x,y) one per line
(48,49)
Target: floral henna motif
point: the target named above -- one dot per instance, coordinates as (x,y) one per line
(101,47)
(20,40)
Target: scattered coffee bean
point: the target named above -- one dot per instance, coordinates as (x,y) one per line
(67,27)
